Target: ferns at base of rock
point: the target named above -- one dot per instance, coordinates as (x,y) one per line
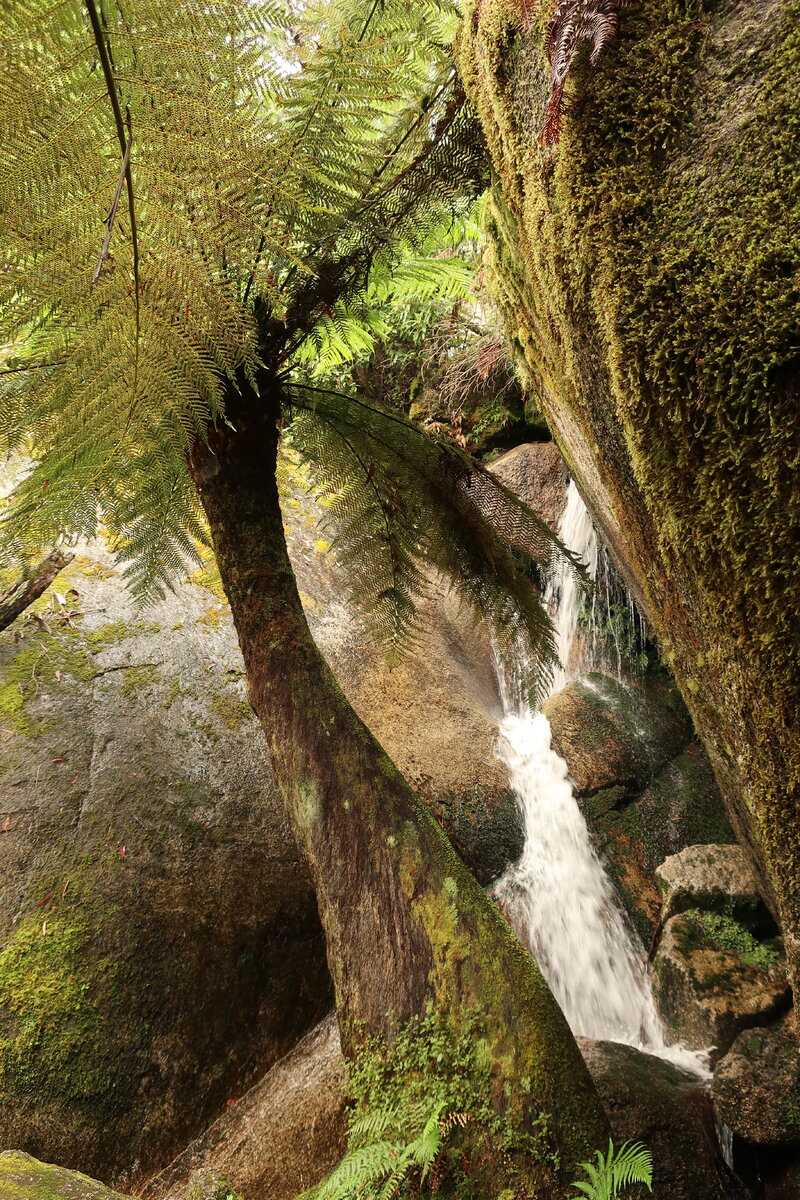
(617,1169)
(423,1122)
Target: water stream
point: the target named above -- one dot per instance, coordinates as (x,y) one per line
(558,896)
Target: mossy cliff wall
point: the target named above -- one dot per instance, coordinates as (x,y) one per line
(648,268)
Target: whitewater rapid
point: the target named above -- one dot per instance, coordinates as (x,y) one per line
(558,896)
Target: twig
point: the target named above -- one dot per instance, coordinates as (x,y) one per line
(31,585)
(112,212)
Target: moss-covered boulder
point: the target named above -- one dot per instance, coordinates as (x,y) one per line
(712,978)
(652,1101)
(757,1086)
(643,783)
(25,1178)
(648,268)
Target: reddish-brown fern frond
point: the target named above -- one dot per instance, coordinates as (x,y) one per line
(575,24)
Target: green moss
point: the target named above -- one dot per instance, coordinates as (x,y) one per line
(89,569)
(24,1178)
(43,661)
(56,657)
(725,933)
(138,678)
(53,987)
(790,1109)
(231,710)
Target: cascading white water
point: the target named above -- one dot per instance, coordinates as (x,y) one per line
(558,896)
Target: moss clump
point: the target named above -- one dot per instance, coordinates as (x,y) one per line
(53,990)
(211,616)
(231,710)
(44,660)
(138,678)
(24,1178)
(89,568)
(725,933)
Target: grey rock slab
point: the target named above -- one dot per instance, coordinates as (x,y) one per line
(281,1137)
(707,877)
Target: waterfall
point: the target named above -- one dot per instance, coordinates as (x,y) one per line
(558,896)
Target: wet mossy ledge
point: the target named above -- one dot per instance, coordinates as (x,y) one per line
(25,1178)
(648,269)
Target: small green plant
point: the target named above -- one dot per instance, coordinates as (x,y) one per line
(725,931)
(631,1163)
(423,1118)
(378,1169)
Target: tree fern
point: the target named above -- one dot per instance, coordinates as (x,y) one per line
(617,1169)
(202,195)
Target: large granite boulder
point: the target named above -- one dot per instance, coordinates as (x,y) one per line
(650,1100)
(642,781)
(757,1086)
(280,1138)
(712,979)
(159,940)
(536,472)
(712,878)
(24,1178)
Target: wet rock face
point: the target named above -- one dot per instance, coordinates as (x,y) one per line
(652,1101)
(757,1087)
(643,783)
(282,1137)
(718,878)
(24,1178)
(712,979)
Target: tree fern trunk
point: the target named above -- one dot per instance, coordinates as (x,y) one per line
(406,923)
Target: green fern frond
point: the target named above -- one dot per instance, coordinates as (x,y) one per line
(620,1167)
(272,157)
(404,505)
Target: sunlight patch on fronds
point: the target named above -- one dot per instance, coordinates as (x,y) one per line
(403,505)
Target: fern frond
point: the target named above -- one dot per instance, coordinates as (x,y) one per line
(405,505)
(621,1166)
(576,25)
